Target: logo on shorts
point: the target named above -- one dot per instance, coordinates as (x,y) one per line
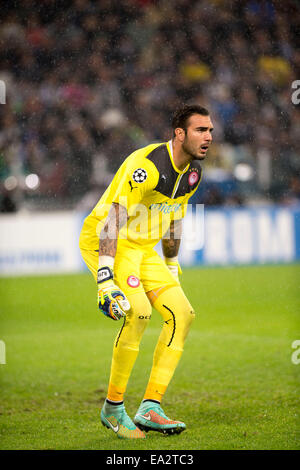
(193,178)
(133,281)
(139,175)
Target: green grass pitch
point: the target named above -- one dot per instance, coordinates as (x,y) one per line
(235,387)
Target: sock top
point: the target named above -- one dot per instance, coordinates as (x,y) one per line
(153,401)
(114,403)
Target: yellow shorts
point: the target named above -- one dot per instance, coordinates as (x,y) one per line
(135,270)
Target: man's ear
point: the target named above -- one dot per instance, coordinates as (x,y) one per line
(180,133)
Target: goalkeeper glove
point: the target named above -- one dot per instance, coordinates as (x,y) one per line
(174,266)
(111,300)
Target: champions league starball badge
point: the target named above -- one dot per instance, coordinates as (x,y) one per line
(139,175)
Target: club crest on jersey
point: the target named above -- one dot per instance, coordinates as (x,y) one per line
(139,175)
(133,281)
(193,178)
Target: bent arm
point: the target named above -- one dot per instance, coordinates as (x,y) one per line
(112,301)
(116,219)
(171,243)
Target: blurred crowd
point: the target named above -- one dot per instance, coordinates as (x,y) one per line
(88,82)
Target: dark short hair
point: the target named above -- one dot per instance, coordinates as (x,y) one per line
(182,114)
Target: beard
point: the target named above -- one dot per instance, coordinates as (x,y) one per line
(189,150)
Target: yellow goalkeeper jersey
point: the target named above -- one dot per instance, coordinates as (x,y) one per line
(153,191)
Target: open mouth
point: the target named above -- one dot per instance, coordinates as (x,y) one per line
(204,148)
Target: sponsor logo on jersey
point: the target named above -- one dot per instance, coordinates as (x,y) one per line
(139,175)
(193,178)
(133,281)
(165,207)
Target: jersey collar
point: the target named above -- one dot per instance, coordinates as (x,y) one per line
(170,150)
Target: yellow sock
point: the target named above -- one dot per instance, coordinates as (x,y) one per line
(123,360)
(165,361)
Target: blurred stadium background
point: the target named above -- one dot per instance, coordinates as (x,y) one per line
(88,82)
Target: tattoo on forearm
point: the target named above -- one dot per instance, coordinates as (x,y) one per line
(117,217)
(108,247)
(171,242)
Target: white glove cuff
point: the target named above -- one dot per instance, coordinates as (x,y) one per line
(105,260)
(171,260)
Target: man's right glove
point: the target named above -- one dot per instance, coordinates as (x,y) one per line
(111,300)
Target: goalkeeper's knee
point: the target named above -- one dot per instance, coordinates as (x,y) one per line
(177,326)
(136,321)
(178,315)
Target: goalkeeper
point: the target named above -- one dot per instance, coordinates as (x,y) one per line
(145,203)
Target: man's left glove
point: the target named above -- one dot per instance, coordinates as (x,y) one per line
(111,300)
(174,266)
